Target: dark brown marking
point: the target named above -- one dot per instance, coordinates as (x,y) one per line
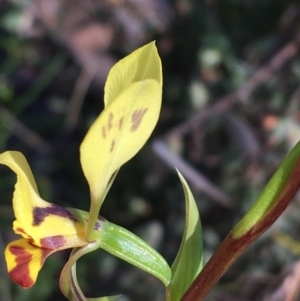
(40,213)
(53,242)
(121,122)
(30,240)
(112,146)
(98,223)
(136,118)
(20,273)
(21,230)
(110,121)
(104,132)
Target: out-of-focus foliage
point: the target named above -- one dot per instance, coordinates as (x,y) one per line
(54,58)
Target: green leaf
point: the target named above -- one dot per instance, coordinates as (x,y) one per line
(189,260)
(129,247)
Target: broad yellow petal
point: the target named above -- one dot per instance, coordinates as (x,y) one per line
(133,99)
(24,261)
(37,220)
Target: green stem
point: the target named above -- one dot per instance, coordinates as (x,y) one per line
(68,279)
(96,204)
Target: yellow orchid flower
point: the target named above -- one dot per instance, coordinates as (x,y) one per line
(132,103)
(45,227)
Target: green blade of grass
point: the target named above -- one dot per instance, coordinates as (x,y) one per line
(189,260)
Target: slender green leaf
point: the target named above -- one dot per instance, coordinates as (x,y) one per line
(129,247)
(189,260)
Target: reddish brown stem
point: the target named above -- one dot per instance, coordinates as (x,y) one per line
(232,247)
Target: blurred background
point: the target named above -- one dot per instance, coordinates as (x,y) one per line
(231,111)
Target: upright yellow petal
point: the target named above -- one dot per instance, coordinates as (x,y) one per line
(142,64)
(24,261)
(133,95)
(26,195)
(44,224)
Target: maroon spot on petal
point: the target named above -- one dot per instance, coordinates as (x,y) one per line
(20,273)
(120,124)
(112,146)
(137,118)
(31,240)
(104,132)
(28,237)
(40,213)
(110,121)
(53,242)
(97,225)
(21,230)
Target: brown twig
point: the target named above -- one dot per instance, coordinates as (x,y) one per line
(291,284)
(294,101)
(24,133)
(243,92)
(75,104)
(289,289)
(199,180)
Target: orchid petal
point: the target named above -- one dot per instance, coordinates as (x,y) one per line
(24,261)
(132,103)
(44,224)
(140,65)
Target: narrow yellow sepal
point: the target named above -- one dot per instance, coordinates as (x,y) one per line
(26,194)
(42,223)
